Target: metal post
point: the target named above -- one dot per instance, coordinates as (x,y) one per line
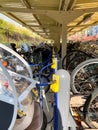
(71,122)
(64,100)
(55,105)
(57,45)
(64,39)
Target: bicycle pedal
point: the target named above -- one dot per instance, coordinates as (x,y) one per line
(35,92)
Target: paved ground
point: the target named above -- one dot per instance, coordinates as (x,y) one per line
(76,102)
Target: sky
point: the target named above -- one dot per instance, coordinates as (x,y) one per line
(9,20)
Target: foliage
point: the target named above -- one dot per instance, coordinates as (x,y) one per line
(17,34)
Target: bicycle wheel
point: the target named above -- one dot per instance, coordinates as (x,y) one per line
(67,58)
(73,54)
(44,125)
(84,77)
(90,110)
(76,61)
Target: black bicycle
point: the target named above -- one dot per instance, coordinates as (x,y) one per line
(73,58)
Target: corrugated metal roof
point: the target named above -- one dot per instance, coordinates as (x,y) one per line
(87,19)
(44,25)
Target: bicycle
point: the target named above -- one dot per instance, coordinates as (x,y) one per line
(73,58)
(85,73)
(22,72)
(90,110)
(84,81)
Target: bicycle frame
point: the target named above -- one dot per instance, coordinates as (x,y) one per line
(11,101)
(58,96)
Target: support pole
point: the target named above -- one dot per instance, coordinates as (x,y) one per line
(55,35)
(71,124)
(64,115)
(64,39)
(63,99)
(57,42)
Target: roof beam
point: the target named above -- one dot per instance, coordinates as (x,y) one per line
(40,32)
(15,18)
(66,4)
(85,1)
(84,19)
(25,2)
(54,26)
(73,32)
(85,25)
(20,21)
(59,16)
(25,10)
(71,4)
(60,4)
(76,26)
(34,11)
(45,26)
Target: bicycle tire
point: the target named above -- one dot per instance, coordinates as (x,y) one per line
(67,56)
(76,70)
(71,53)
(75,61)
(88,117)
(44,125)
